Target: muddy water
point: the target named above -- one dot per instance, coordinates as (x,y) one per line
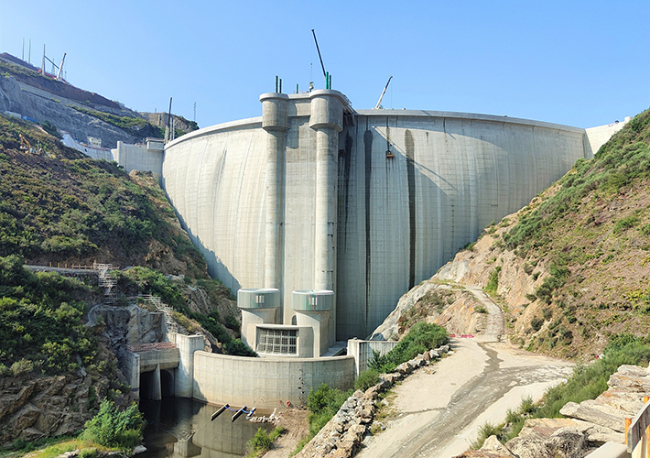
(182,428)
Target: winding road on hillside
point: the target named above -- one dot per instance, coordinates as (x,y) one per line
(437,413)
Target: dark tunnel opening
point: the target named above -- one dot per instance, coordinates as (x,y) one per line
(148,390)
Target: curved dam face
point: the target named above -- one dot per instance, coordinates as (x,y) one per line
(316,195)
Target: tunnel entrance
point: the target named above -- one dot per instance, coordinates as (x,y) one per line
(148,389)
(167,384)
(146,385)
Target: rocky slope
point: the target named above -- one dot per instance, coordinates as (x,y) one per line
(81,113)
(43,108)
(587,425)
(57,359)
(34,405)
(570,269)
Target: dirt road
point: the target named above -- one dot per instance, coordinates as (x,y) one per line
(438,414)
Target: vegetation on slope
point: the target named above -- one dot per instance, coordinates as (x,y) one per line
(133,125)
(40,323)
(63,207)
(571,267)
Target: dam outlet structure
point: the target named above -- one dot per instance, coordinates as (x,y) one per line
(362,204)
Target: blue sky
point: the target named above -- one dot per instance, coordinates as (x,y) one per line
(580,63)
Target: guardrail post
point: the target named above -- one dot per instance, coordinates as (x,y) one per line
(628,422)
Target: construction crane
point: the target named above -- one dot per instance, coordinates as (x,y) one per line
(328,77)
(24,144)
(378,106)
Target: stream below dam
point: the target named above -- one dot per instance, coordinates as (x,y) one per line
(179,427)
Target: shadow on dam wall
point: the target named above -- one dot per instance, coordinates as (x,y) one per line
(216,268)
(399,183)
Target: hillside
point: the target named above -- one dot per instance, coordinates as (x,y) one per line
(62,207)
(81,113)
(57,207)
(570,269)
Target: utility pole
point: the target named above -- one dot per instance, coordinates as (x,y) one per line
(194,111)
(169,134)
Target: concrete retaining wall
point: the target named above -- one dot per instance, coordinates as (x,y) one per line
(139,157)
(595,137)
(265,382)
(362,351)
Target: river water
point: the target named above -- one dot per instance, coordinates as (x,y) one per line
(178,427)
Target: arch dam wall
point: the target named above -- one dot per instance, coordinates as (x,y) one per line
(306,196)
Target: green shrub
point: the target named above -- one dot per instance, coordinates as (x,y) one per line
(366,379)
(231,322)
(420,338)
(262,441)
(237,347)
(41,320)
(23,366)
(52,130)
(559,275)
(485,431)
(88,453)
(493,281)
(625,223)
(536,323)
(114,428)
(323,405)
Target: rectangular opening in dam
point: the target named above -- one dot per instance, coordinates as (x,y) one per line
(278,341)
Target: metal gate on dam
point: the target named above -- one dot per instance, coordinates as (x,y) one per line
(314,195)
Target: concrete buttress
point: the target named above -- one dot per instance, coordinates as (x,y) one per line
(184,380)
(327,120)
(275,123)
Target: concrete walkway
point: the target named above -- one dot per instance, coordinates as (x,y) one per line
(438,414)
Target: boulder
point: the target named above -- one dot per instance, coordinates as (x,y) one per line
(493,445)
(593,415)
(629,382)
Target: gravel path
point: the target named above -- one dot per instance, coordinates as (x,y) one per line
(438,414)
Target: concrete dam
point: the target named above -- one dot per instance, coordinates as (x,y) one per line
(315,195)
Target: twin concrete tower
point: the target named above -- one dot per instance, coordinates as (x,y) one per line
(315,311)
